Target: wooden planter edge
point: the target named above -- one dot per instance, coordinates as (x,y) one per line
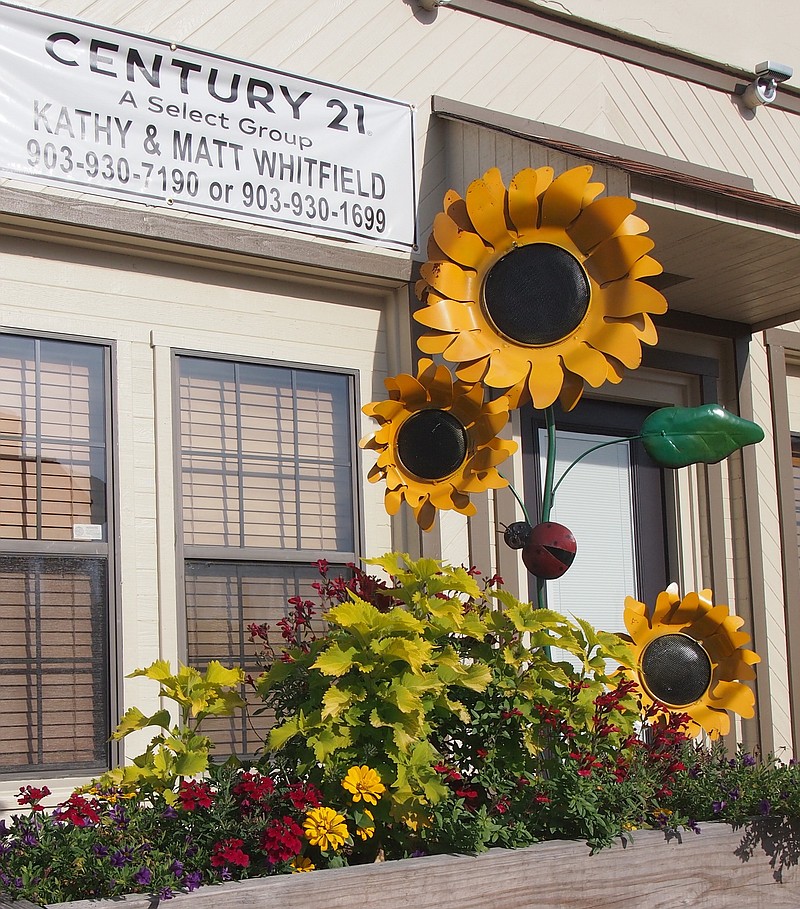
(720,868)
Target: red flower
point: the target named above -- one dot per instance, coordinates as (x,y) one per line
(304,796)
(253,789)
(482,753)
(229,852)
(29,795)
(507,714)
(282,840)
(542,799)
(194,795)
(78,811)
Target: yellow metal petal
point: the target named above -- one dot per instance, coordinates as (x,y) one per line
(645,329)
(523,202)
(460,245)
(616,371)
(434,344)
(438,381)
(587,362)
(375,474)
(505,371)
(462,504)
(666,602)
(473,371)
(733,696)
(392,500)
(629,297)
(715,722)
(635,617)
(487,214)
(571,391)
(561,203)
(545,381)
(616,257)
(425,514)
(467,407)
(591,192)
(600,221)
(451,280)
(451,315)
(385,411)
(519,395)
(690,608)
(646,267)
(633,224)
(412,391)
(619,340)
(486,427)
(441,495)
(487,457)
(469,345)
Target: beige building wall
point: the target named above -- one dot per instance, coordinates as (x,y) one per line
(150,297)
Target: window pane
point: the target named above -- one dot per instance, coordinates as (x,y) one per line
(222,600)
(596,503)
(266,457)
(53,680)
(52,439)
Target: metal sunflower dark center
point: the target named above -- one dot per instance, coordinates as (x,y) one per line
(432,444)
(537,294)
(676,670)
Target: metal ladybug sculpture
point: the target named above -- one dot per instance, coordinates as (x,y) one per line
(548,549)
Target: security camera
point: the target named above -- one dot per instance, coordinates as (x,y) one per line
(778,72)
(764,89)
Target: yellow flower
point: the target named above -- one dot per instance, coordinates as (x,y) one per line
(325,828)
(690,657)
(301,863)
(536,288)
(416,821)
(364,783)
(437,442)
(367,832)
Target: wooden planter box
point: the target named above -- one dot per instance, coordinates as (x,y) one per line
(720,868)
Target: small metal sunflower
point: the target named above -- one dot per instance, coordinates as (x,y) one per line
(690,658)
(437,442)
(536,288)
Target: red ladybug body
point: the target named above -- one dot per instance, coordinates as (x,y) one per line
(549,551)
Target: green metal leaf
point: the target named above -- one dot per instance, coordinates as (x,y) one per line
(679,436)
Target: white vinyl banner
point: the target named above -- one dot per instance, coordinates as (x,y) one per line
(106,112)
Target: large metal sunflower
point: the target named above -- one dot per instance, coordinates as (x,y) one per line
(690,658)
(536,288)
(437,442)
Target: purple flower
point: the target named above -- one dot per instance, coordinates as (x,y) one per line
(169,812)
(764,807)
(143,877)
(18,883)
(733,795)
(693,825)
(694,773)
(717,807)
(5,879)
(224,874)
(99,849)
(176,868)
(119,859)
(29,840)
(192,881)
(166,893)
(748,760)
(4,831)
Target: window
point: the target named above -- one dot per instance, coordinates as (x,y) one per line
(54,556)
(613,501)
(267,489)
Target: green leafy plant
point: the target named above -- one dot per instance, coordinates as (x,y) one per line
(180,750)
(396,685)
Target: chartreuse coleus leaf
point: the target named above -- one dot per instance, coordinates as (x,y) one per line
(679,436)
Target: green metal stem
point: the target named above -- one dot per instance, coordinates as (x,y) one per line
(549,491)
(550,469)
(521,503)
